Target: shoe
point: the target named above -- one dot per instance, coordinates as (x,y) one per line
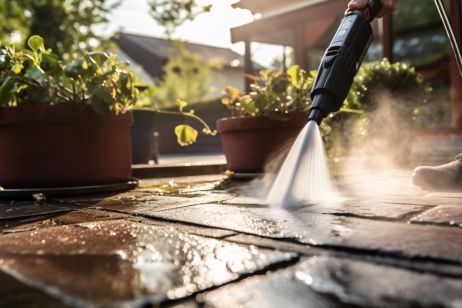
(440,178)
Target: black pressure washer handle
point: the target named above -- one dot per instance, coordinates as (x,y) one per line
(372,10)
(341,61)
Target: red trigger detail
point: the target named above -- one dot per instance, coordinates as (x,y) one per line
(367,13)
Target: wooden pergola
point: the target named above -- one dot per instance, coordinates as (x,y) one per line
(307,23)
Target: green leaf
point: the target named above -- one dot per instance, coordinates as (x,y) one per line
(99,57)
(265,73)
(17,68)
(89,66)
(75,68)
(7,90)
(35,73)
(294,72)
(181,104)
(186,135)
(36,43)
(50,64)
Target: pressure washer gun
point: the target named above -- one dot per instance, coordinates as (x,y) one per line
(342,61)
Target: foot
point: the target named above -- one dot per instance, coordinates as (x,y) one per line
(440,178)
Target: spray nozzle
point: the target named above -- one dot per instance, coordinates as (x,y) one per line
(322,105)
(316,115)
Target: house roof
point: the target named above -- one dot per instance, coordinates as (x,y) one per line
(315,17)
(143,49)
(274,7)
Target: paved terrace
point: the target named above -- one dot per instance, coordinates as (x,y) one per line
(196,242)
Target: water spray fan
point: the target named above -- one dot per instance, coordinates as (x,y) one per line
(342,60)
(304,176)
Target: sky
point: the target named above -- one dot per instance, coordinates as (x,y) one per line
(210,28)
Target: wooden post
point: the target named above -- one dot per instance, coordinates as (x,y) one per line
(248,65)
(387,37)
(299,47)
(284,58)
(456,80)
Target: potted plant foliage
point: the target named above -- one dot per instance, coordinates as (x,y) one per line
(266,119)
(145,113)
(63,124)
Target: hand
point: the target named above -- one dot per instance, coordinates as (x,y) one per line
(388,6)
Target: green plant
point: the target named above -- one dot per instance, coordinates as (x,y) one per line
(280,95)
(275,95)
(386,100)
(398,79)
(186,76)
(68,26)
(173,13)
(37,76)
(186,135)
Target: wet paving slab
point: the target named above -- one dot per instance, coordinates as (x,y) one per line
(421,265)
(449,215)
(120,262)
(411,241)
(392,208)
(59,219)
(170,241)
(333,282)
(375,209)
(149,203)
(14,293)
(191,229)
(19,209)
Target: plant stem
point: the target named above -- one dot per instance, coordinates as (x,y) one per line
(187,114)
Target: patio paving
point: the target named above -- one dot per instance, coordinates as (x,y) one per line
(188,241)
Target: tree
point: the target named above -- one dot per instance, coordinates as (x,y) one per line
(420,38)
(68,26)
(173,13)
(186,77)
(12,19)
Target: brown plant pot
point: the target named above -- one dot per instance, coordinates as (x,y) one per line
(249,141)
(63,145)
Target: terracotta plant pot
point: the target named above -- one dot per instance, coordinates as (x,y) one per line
(63,145)
(249,141)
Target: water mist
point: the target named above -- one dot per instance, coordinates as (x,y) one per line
(304,176)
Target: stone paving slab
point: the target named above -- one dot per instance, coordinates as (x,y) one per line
(369,209)
(171,240)
(333,282)
(327,230)
(154,203)
(13,293)
(277,244)
(379,208)
(190,229)
(124,262)
(450,215)
(428,266)
(14,210)
(60,219)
